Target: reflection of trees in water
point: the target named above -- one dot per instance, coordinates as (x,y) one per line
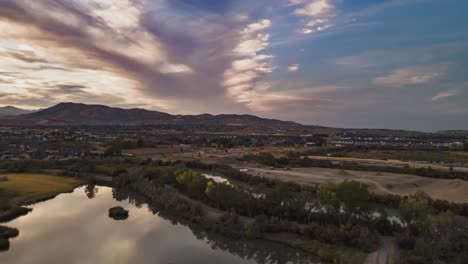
(91,190)
(121,194)
(262,252)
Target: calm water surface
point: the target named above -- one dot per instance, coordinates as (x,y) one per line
(72,228)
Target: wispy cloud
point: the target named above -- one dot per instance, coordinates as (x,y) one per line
(447,94)
(413,75)
(294,68)
(318,14)
(243,79)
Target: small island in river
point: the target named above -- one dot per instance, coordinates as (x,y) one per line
(118,213)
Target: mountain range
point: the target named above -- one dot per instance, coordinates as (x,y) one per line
(75,114)
(83,114)
(12,111)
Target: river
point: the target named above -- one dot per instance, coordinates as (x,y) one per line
(75,228)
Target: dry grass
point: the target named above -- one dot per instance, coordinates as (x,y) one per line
(29,186)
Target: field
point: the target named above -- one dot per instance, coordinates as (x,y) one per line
(21,188)
(388,162)
(188,152)
(409,155)
(378,182)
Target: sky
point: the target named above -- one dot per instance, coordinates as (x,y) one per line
(344,63)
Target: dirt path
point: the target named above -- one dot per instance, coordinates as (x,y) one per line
(386,254)
(378,182)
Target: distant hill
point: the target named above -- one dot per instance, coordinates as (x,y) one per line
(82,114)
(12,111)
(463,133)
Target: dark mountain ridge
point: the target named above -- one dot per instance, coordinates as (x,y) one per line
(83,114)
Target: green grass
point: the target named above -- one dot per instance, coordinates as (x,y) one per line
(20,187)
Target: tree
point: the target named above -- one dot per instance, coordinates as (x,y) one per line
(191,182)
(451,234)
(266,159)
(414,212)
(354,196)
(283,161)
(213,193)
(328,198)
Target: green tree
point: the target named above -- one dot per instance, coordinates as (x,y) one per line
(328,198)
(414,212)
(354,197)
(191,182)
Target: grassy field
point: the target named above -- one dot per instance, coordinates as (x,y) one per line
(24,187)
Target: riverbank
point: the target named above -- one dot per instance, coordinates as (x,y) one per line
(18,190)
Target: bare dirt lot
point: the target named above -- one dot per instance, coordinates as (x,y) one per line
(378,182)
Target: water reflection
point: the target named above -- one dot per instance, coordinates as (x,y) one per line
(91,190)
(74,229)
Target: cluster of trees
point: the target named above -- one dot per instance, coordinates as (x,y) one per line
(191,183)
(115,147)
(282,204)
(232,142)
(347,199)
(429,238)
(436,205)
(267,159)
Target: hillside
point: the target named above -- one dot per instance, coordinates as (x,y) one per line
(12,111)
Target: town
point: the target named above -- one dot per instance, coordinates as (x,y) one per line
(64,143)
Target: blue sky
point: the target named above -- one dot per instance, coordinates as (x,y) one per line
(380,63)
